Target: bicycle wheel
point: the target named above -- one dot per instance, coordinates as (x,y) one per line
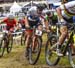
(23,39)
(50,55)
(34,54)
(3,45)
(71,57)
(10,44)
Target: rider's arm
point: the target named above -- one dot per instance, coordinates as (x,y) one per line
(3,21)
(59,12)
(46,23)
(26,22)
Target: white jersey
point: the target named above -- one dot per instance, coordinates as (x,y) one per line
(68,9)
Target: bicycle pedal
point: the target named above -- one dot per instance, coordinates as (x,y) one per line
(59,53)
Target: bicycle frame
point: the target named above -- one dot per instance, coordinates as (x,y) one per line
(68,44)
(70,39)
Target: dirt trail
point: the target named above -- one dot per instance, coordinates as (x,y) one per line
(16,59)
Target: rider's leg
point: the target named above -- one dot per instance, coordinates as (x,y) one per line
(63,31)
(34,38)
(34,43)
(28,34)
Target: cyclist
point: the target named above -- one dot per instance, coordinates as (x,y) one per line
(65,11)
(50,19)
(21,22)
(10,22)
(32,20)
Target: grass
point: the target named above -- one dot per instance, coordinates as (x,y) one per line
(16,58)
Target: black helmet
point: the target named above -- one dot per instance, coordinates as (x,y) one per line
(48,12)
(40,7)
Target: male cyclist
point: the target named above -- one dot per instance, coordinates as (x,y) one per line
(10,22)
(65,12)
(32,20)
(21,22)
(50,18)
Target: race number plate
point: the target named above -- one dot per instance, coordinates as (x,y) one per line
(38,32)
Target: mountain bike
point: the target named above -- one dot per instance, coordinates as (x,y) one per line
(6,43)
(34,51)
(67,49)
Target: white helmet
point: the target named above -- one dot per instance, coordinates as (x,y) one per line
(21,15)
(10,16)
(33,11)
(20,18)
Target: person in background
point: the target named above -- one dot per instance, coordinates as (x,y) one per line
(10,22)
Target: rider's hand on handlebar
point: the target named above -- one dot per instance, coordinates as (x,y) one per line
(27,26)
(62,21)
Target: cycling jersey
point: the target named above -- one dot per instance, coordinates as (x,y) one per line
(9,23)
(68,9)
(22,22)
(33,21)
(52,20)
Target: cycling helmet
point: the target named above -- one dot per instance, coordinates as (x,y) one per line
(21,15)
(33,11)
(40,7)
(48,12)
(20,18)
(10,16)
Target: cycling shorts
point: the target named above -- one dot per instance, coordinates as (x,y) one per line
(10,28)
